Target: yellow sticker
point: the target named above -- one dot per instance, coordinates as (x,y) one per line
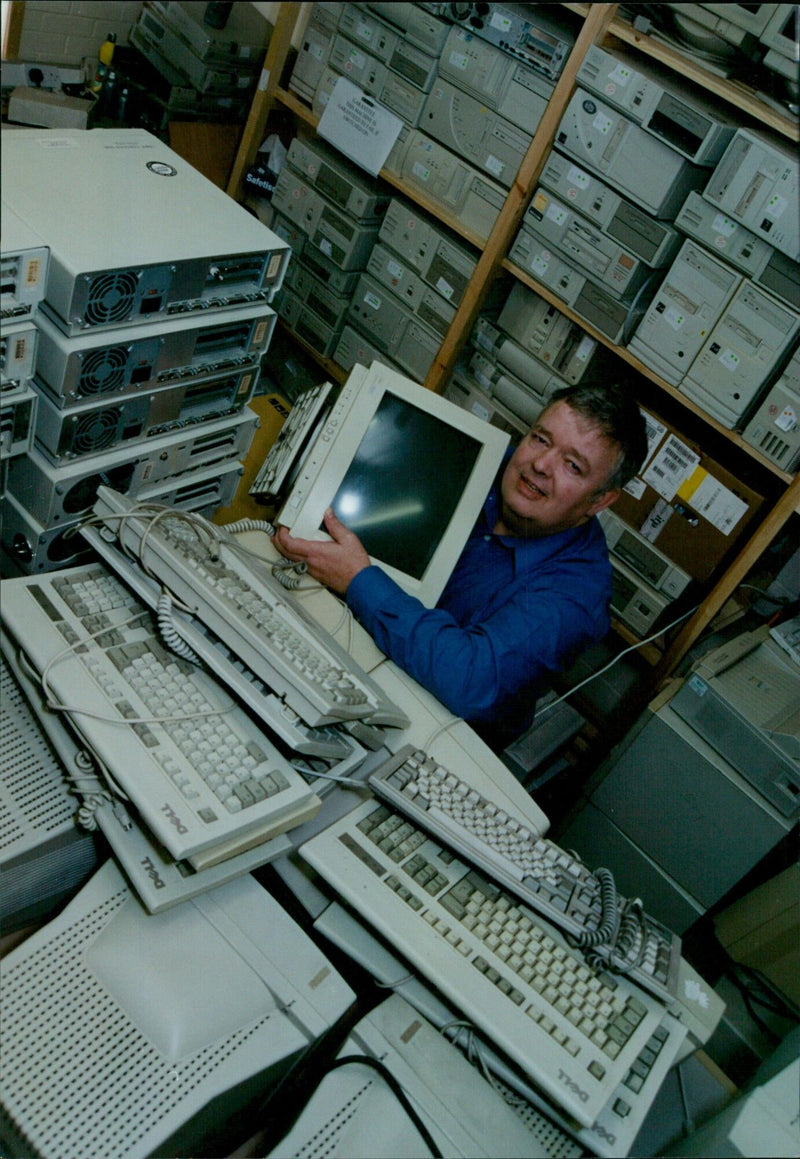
(690,485)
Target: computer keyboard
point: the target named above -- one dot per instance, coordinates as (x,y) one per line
(574,1029)
(292,437)
(247,610)
(207,782)
(547,878)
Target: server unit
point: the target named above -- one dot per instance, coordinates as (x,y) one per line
(90,427)
(354,347)
(307,323)
(419,27)
(529,35)
(757,184)
(765,265)
(524,398)
(740,354)
(430,307)
(656,568)
(171,241)
(517,92)
(346,242)
(530,325)
(651,97)
(23,267)
(633,601)
(242,40)
(465,126)
(394,328)
(56,495)
(131,360)
(655,242)
(342,183)
(683,312)
(313,54)
(444,263)
(637,164)
(774,429)
(211,75)
(461,191)
(464,391)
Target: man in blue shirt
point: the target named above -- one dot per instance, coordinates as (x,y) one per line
(532,586)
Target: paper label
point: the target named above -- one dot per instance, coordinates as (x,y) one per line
(372,300)
(776,206)
(578,177)
(723,225)
(358,126)
(635,487)
(621,75)
(481,340)
(482,379)
(557,213)
(326,247)
(480,411)
(459,59)
(787,420)
(674,318)
(420,171)
(395,269)
(714,502)
(655,433)
(494,165)
(357,59)
(539,264)
(656,520)
(500,22)
(729,359)
(671,465)
(444,288)
(585,348)
(602,123)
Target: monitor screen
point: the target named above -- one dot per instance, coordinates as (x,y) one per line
(402,467)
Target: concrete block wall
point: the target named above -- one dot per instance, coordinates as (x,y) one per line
(65,31)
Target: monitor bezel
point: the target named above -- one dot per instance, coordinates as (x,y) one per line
(326,464)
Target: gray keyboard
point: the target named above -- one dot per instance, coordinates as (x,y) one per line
(292,438)
(575,1030)
(203,780)
(547,878)
(248,611)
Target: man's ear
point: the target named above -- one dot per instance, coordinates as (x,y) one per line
(604,499)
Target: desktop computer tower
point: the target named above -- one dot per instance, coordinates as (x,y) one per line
(667,815)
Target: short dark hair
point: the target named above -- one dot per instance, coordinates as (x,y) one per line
(613,409)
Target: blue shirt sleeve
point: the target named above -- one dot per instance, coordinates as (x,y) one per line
(472,670)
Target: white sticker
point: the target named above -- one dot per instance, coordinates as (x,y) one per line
(718,504)
(444,288)
(723,225)
(577,177)
(621,75)
(671,465)
(655,433)
(585,348)
(500,22)
(459,59)
(602,123)
(481,411)
(636,488)
(395,269)
(674,317)
(316,50)
(494,165)
(357,59)
(656,520)
(372,300)
(420,171)
(482,379)
(787,420)
(557,213)
(481,340)
(326,247)
(775,206)
(539,264)
(729,359)
(363,31)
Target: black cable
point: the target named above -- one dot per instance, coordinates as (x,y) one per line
(397,1090)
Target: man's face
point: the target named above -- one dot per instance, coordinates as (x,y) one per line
(555,478)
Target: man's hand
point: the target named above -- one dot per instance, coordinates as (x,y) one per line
(334,563)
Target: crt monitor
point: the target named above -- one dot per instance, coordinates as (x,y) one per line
(403,468)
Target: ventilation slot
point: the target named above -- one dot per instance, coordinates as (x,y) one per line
(103,371)
(111,298)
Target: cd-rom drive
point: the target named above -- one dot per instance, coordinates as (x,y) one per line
(18,345)
(739,355)
(342,183)
(765,265)
(685,308)
(757,185)
(464,193)
(393,328)
(639,554)
(655,242)
(606,262)
(135,359)
(593,303)
(23,266)
(632,600)
(430,307)
(443,264)
(141,266)
(529,325)
(345,242)
(639,166)
(517,92)
(693,127)
(55,494)
(91,427)
(471,130)
(419,27)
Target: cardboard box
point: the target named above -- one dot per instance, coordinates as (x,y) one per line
(762,930)
(685,502)
(29,106)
